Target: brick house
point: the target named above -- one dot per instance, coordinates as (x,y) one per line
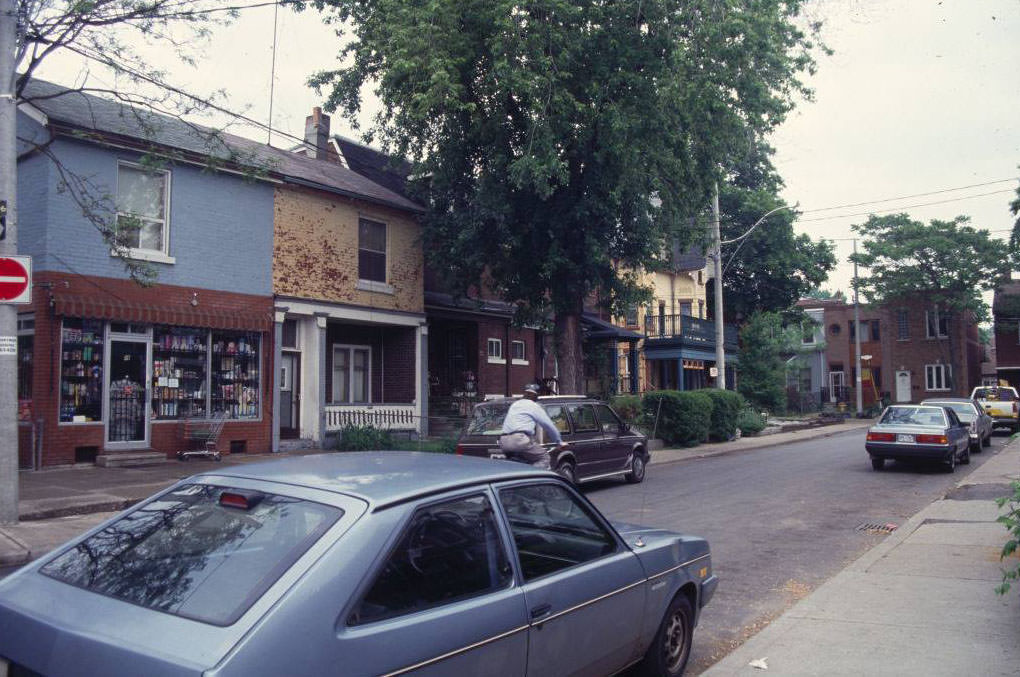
(474,349)
(108,368)
(905,351)
(348,286)
(1006,317)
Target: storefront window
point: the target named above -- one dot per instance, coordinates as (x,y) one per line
(81,371)
(26,345)
(235,374)
(180,358)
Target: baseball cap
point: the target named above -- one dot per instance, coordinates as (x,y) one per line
(532,388)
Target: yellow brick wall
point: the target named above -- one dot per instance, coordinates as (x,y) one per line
(315,251)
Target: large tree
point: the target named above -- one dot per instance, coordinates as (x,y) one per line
(559,142)
(947,263)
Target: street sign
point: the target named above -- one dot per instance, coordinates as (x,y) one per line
(15,279)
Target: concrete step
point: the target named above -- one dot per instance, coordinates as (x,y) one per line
(130,459)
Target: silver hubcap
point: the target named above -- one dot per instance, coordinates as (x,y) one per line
(637,466)
(675,641)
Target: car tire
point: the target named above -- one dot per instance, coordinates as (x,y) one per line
(950,465)
(975,448)
(567,471)
(987,441)
(667,656)
(877,463)
(637,468)
(965,459)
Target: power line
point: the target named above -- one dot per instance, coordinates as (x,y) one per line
(908,197)
(901,207)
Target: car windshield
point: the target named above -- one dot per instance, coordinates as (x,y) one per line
(914,416)
(488,419)
(1001,394)
(964,410)
(191,555)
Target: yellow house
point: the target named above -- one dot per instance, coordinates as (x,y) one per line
(348,281)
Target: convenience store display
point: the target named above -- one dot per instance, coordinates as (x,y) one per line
(179,359)
(235,375)
(81,371)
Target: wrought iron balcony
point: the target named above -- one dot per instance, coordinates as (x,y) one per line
(690,330)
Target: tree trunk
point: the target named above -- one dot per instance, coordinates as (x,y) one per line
(569,354)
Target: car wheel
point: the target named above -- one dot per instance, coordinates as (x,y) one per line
(965,459)
(637,468)
(987,441)
(671,646)
(975,448)
(877,463)
(951,463)
(567,472)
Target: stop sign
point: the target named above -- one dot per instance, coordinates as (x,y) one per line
(15,279)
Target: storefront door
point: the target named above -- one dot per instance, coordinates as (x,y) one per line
(128,406)
(290,395)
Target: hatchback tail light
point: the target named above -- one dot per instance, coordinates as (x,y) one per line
(881,437)
(932,439)
(460,450)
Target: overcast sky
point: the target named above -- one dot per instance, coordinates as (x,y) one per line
(919,96)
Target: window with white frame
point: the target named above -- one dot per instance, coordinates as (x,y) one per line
(518,351)
(495,349)
(352,374)
(936,323)
(143,206)
(936,376)
(371,250)
(807,332)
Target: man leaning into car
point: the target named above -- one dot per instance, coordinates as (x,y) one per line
(519,428)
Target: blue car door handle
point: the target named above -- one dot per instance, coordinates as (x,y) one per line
(540,611)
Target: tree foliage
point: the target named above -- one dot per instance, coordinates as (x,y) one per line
(773,267)
(763,341)
(950,262)
(561,141)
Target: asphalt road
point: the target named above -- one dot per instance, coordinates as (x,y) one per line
(780,520)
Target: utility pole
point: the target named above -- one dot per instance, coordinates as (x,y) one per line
(857,339)
(8,247)
(720,332)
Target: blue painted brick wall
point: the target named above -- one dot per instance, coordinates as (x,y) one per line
(221,225)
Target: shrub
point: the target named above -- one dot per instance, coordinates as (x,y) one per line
(1011,520)
(363,438)
(726,406)
(628,407)
(750,421)
(683,417)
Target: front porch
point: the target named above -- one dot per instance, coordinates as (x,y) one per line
(342,366)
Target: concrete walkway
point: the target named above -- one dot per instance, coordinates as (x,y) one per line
(922,602)
(52,502)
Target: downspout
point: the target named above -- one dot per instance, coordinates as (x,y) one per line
(507,359)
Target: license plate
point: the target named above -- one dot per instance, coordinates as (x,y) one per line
(905,438)
(496,454)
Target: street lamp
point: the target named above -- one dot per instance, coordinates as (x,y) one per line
(720,350)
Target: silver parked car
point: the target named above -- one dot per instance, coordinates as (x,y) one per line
(968,411)
(384,563)
(921,432)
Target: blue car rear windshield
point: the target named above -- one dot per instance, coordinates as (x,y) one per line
(191,555)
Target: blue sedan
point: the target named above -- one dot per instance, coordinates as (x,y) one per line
(384,563)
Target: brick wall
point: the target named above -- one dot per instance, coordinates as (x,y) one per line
(393,359)
(316,251)
(61,440)
(492,379)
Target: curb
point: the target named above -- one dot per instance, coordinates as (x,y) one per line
(816,433)
(13,551)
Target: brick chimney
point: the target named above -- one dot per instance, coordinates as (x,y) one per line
(317,133)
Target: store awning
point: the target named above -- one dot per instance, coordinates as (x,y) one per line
(597,328)
(169,311)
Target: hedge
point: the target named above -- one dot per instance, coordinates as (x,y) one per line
(628,407)
(750,421)
(684,417)
(726,406)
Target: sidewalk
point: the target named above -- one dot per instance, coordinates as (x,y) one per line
(922,602)
(55,505)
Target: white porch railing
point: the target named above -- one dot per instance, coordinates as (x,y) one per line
(385,416)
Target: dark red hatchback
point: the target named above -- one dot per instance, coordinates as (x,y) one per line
(601,445)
